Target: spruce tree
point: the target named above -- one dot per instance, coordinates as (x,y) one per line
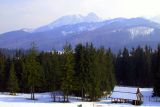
(33,68)
(56,73)
(110,71)
(2,72)
(125,66)
(80,70)
(147,67)
(12,82)
(67,71)
(25,74)
(92,73)
(157,73)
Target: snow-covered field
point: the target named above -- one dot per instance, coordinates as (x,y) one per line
(44,100)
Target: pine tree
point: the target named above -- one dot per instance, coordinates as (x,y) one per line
(67,71)
(118,70)
(110,71)
(125,65)
(147,67)
(2,72)
(12,82)
(157,73)
(56,73)
(89,74)
(45,61)
(102,69)
(80,70)
(33,68)
(139,58)
(92,73)
(24,77)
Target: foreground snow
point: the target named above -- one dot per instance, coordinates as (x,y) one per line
(44,100)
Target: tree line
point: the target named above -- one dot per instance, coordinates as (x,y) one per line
(85,71)
(139,67)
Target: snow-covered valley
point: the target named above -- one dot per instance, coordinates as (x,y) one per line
(45,100)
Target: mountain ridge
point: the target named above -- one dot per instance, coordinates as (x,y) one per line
(69,20)
(113,33)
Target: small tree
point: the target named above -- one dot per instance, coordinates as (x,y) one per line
(12,82)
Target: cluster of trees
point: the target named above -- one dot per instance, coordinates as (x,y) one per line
(94,70)
(86,71)
(139,67)
(133,68)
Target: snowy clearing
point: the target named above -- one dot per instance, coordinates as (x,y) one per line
(44,100)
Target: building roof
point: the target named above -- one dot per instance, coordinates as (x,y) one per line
(129,96)
(124,93)
(125,89)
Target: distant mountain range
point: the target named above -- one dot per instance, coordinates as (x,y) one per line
(114,33)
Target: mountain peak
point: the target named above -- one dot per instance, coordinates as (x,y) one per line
(91,14)
(92,17)
(69,20)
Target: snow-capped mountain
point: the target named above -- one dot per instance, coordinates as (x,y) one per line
(69,20)
(113,33)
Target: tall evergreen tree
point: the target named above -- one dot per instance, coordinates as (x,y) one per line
(139,58)
(93,79)
(118,65)
(2,72)
(157,73)
(32,66)
(80,70)
(125,66)
(25,86)
(12,82)
(55,72)
(67,71)
(147,67)
(111,71)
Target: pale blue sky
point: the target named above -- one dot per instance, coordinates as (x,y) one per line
(17,14)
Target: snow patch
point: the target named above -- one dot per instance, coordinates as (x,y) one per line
(117,30)
(140,31)
(66,33)
(27,30)
(84,28)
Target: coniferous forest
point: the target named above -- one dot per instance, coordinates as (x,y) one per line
(85,71)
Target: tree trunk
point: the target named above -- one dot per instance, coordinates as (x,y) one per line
(64,98)
(31,93)
(54,97)
(67,98)
(82,93)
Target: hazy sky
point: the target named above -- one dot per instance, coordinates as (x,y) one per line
(17,14)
